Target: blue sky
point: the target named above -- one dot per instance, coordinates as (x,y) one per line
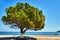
(51,9)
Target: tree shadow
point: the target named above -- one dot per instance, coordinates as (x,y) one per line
(18,38)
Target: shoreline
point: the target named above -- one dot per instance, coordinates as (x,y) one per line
(30,35)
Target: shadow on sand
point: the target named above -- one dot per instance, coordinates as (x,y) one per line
(18,38)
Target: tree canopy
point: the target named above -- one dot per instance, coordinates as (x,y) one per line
(23,15)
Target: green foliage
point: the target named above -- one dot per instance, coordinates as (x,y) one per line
(25,16)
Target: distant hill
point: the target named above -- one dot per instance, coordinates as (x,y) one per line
(58,31)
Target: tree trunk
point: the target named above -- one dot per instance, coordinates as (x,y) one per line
(22,32)
(22,35)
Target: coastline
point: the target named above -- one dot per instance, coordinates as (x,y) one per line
(2,36)
(38,37)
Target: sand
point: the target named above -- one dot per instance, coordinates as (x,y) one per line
(38,37)
(47,37)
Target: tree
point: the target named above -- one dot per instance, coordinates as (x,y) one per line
(25,17)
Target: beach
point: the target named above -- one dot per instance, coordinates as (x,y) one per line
(35,36)
(47,37)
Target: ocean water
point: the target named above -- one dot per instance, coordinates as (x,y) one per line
(30,33)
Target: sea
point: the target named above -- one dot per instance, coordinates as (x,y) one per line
(31,33)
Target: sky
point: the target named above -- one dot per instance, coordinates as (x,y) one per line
(50,8)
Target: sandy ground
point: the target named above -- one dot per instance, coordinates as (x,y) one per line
(36,36)
(47,37)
